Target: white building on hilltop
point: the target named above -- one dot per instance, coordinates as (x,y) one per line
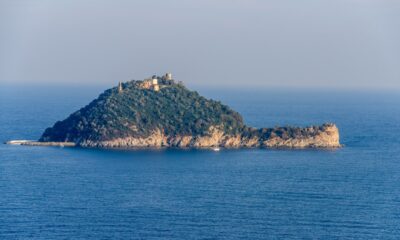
(168,76)
(154,80)
(156,83)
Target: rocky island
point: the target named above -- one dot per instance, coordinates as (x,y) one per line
(159,112)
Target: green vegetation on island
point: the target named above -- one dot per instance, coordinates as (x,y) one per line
(138,111)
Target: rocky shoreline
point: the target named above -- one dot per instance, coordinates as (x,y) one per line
(326,136)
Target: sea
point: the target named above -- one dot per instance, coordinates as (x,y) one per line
(75,193)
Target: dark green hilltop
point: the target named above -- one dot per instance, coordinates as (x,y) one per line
(138,111)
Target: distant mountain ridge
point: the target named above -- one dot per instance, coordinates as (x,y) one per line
(159,112)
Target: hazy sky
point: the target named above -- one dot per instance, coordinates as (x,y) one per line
(250,43)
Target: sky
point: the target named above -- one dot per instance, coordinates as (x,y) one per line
(340,44)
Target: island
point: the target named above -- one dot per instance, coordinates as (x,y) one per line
(159,112)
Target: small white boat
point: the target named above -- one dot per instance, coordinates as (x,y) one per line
(216,149)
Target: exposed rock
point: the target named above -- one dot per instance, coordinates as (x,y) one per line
(326,136)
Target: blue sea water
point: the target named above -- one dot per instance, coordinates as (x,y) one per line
(73,193)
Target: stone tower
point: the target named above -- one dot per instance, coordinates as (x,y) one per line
(120,88)
(168,76)
(154,80)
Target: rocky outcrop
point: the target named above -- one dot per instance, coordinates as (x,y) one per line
(326,136)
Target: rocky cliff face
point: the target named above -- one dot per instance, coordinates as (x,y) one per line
(135,117)
(326,136)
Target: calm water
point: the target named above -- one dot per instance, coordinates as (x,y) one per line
(65,193)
